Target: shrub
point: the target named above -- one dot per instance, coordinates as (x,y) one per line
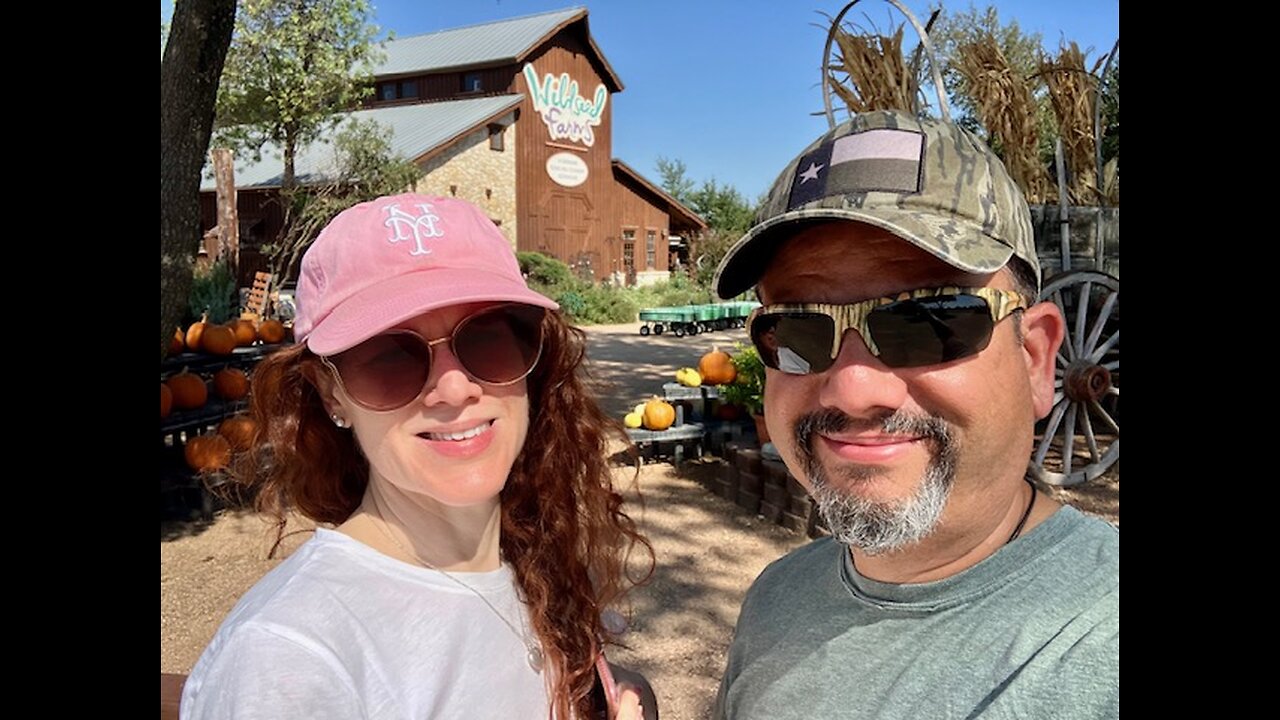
(747,389)
(546,274)
(608,305)
(213,291)
(572,303)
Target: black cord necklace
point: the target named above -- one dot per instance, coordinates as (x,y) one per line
(1025,514)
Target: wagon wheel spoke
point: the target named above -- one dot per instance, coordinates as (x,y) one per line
(1069,439)
(1082,316)
(1089,438)
(1105,416)
(1055,418)
(1099,322)
(1104,347)
(1067,345)
(1113,365)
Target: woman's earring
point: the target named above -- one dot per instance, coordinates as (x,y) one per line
(339,421)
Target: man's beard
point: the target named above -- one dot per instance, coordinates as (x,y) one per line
(870,526)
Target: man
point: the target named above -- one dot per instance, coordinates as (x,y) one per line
(907,362)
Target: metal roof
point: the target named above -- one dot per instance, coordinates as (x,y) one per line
(415,131)
(488,44)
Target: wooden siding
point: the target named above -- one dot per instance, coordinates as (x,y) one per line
(637,211)
(260,222)
(448,86)
(580,224)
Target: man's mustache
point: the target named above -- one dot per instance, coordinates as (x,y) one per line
(832,421)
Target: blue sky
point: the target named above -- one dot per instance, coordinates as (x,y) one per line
(729,86)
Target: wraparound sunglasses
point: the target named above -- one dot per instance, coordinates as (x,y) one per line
(912,329)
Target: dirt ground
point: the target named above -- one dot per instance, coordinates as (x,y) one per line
(708,549)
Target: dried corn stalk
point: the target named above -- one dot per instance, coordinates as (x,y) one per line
(1007,110)
(876,77)
(1072,92)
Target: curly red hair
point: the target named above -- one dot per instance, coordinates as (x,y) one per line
(563,527)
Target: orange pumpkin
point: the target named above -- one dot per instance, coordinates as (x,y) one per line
(716,368)
(207,452)
(246,333)
(166,401)
(230,384)
(194,334)
(189,391)
(658,414)
(218,340)
(271,331)
(238,430)
(178,343)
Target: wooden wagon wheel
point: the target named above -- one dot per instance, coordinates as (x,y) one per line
(1081,438)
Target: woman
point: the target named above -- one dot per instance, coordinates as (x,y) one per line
(433,411)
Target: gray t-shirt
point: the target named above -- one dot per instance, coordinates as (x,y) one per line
(1031,632)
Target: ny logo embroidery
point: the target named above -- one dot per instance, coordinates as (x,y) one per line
(413,227)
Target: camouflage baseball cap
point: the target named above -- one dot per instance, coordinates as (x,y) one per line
(929,182)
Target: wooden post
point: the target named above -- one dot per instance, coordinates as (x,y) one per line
(228,218)
(1064,214)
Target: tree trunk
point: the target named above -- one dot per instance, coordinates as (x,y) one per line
(189,74)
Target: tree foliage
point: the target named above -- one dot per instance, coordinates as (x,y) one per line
(195,49)
(365,169)
(1111,112)
(675,179)
(726,211)
(293,65)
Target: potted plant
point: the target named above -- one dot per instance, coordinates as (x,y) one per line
(747,390)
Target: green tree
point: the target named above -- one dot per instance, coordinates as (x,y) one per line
(366,169)
(293,65)
(722,206)
(1111,113)
(194,52)
(675,179)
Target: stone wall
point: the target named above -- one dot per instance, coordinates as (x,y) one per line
(469,169)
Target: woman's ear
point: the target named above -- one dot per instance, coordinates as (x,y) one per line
(327,386)
(1042,332)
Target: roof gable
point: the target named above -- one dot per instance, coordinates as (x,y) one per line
(486,45)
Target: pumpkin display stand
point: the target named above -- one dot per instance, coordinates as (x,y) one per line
(694,429)
(183,493)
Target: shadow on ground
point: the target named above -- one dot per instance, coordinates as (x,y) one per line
(626,368)
(707,551)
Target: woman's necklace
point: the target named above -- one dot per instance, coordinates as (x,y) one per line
(533,650)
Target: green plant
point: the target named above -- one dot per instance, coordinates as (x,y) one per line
(546,274)
(572,304)
(747,389)
(609,305)
(213,291)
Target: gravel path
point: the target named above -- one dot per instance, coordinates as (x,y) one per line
(708,550)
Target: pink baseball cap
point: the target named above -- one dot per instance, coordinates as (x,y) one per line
(382,262)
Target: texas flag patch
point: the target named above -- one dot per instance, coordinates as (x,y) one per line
(873,160)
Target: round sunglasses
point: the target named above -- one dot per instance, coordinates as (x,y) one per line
(912,329)
(499,345)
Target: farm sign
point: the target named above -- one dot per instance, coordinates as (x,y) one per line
(567,115)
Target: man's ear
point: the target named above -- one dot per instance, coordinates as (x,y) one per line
(1042,331)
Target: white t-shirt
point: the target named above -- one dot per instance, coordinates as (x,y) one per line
(339,630)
